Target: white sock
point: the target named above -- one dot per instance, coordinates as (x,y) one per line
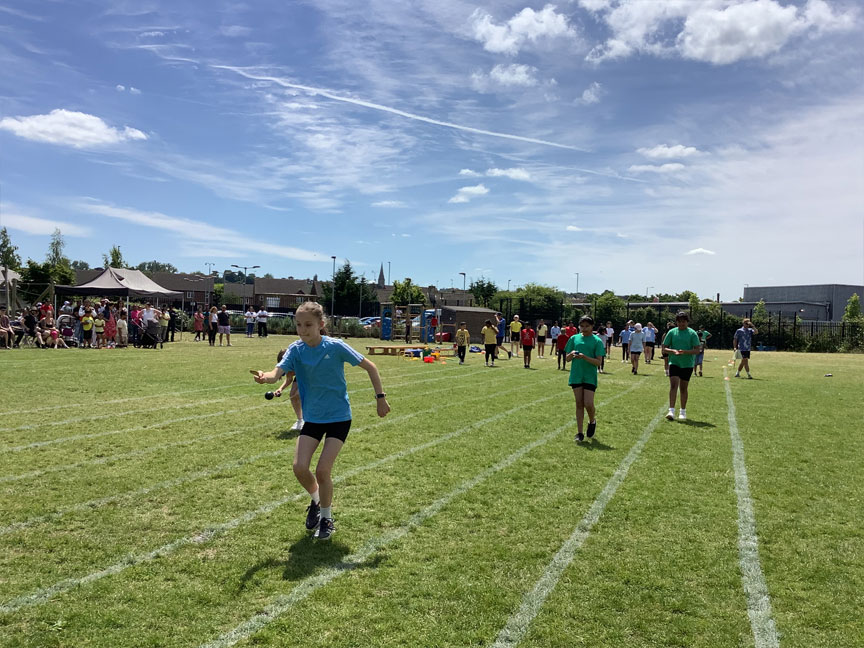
(672,409)
(316,497)
(326,512)
(683,411)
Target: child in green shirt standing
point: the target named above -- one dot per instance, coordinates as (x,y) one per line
(585,352)
(681,344)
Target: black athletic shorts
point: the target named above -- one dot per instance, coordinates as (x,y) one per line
(744,354)
(636,353)
(499,340)
(683,373)
(527,347)
(649,344)
(541,339)
(514,337)
(585,386)
(338,430)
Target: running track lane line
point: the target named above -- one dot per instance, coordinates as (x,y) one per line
(282,604)
(753,580)
(517,625)
(159,424)
(178,481)
(43,595)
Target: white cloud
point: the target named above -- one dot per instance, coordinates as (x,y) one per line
(592,94)
(513,174)
(196,233)
(719,32)
(469,173)
(700,251)
(389,203)
(465,194)
(664,152)
(235,31)
(69,128)
(671,167)
(573,228)
(514,74)
(526,26)
(120,88)
(42,226)
(134,91)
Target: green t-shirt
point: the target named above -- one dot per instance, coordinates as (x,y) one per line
(591,347)
(683,341)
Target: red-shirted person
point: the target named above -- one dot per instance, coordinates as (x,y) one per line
(527,337)
(566,333)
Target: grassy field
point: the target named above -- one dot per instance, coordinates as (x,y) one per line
(148,500)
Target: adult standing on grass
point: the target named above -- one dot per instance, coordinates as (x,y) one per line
(501,325)
(682,345)
(584,350)
(637,346)
(261,317)
(542,329)
(650,341)
(743,344)
(224,320)
(212,325)
(554,332)
(250,316)
(198,324)
(515,328)
(317,362)
(490,335)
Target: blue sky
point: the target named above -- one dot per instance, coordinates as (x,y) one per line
(668,144)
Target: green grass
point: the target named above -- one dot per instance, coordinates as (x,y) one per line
(107,456)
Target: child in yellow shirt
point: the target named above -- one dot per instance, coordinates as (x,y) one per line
(463,339)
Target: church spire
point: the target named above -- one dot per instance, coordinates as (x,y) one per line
(381,283)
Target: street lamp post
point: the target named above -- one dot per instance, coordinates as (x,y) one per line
(463,280)
(362,284)
(209,265)
(577,283)
(333,292)
(647,293)
(388,274)
(245,277)
(508,285)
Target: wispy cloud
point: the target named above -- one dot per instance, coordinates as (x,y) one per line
(395,111)
(665,152)
(502,76)
(671,167)
(15,220)
(465,194)
(69,128)
(592,94)
(573,228)
(699,251)
(515,173)
(195,233)
(389,204)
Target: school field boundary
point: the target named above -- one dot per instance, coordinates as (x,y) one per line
(759,608)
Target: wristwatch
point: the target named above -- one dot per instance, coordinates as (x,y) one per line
(380,395)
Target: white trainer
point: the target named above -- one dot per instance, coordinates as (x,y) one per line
(682,415)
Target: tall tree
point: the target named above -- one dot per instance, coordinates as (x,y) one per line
(8,253)
(852,312)
(405,292)
(347,286)
(760,313)
(610,308)
(483,290)
(79,265)
(149,267)
(55,249)
(114,258)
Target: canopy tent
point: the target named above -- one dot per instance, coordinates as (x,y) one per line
(120,282)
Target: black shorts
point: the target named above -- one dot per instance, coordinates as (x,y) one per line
(541,339)
(338,430)
(585,386)
(499,340)
(514,337)
(649,344)
(636,353)
(745,354)
(682,373)
(527,347)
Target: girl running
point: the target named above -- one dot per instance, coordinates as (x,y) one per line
(317,362)
(637,345)
(584,350)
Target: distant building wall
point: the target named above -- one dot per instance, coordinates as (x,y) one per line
(834,296)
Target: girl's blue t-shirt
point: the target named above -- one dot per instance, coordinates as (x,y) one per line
(320,376)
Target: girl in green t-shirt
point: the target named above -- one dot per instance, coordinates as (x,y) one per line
(585,352)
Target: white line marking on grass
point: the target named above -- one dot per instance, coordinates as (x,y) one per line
(159,424)
(178,481)
(758,598)
(307,586)
(517,625)
(43,595)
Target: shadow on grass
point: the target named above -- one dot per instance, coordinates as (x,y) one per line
(306,557)
(593,444)
(698,424)
(288,434)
